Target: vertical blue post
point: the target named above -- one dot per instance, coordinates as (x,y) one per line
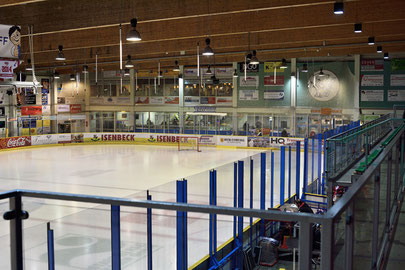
(305,168)
(214,178)
(240,219)
(313,164)
(298,170)
(211,217)
(149,232)
(282,174)
(289,173)
(251,202)
(181,197)
(51,248)
(319,162)
(272,181)
(324,163)
(262,188)
(333,126)
(115,237)
(235,200)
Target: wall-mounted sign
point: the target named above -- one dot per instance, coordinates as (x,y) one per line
(398,64)
(323,87)
(29,97)
(372,80)
(7,68)
(273,94)
(250,81)
(372,95)
(224,101)
(75,108)
(63,108)
(10,39)
(270,81)
(249,68)
(191,101)
(31,110)
(397,80)
(249,95)
(46,110)
(156,100)
(396,95)
(372,65)
(204,109)
(172,100)
(270,66)
(207,100)
(141,100)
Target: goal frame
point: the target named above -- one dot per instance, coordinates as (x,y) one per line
(182,138)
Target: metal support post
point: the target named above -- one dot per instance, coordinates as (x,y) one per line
(305,246)
(388,194)
(251,202)
(374,250)
(298,169)
(282,174)
(239,260)
(262,188)
(51,247)
(149,232)
(115,237)
(349,237)
(327,243)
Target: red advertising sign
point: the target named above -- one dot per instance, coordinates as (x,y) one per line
(269,81)
(372,65)
(75,108)
(31,110)
(118,137)
(7,68)
(15,142)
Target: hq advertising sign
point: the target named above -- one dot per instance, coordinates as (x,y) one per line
(10,40)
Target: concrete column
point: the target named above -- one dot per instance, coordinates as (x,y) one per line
(87,102)
(356,111)
(235,87)
(293,88)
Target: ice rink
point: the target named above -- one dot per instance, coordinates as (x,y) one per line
(82,231)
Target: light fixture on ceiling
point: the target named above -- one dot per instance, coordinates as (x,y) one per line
(321,73)
(371,41)
(208,51)
(176,66)
(338,8)
(129,63)
(60,56)
(283,63)
(305,68)
(29,66)
(209,72)
(72,77)
(133,34)
(126,72)
(254,60)
(379,49)
(56,75)
(235,74)
(358,28)
(386,56)
(160,74)
(85,69)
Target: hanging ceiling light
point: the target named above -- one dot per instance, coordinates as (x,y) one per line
(129,63)
(29,66)
(72,77)
(56,75)
(386,56)
(371,41)
(133,34)
(305,68)
(126,72)
(176,66)
(338,8)
(283,63)
(321,74)
(60,56)
(357,28)
(254,60)
(160,75)
(209,72)
(379,49)
(208,51)
(235,74)
(85,69)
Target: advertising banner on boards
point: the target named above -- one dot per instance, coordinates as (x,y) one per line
(44,139)
(249,95)
(372,95)
(372,80)
(10,40)
(240,141)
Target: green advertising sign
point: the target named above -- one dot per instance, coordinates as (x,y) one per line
(397,64)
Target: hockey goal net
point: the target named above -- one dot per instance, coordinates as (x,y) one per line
(189,143)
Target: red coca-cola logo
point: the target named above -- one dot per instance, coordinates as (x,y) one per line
(18,142)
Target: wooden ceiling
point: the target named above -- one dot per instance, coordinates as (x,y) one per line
(170,29)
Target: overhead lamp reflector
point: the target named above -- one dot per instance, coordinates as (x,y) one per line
(371,41)
(126,72)
(56,75)
(85,69)
(129,63)
(133,34)
(386,56)
(235,74)
(29,66)
(254,60)
(72,77)
(60,56)
(283,63)
(338,8)
(305,68)
(209,72)
(379,49)
(208,51)
(358,28)
(176,66)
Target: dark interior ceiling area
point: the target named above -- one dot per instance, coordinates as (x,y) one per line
(172,29)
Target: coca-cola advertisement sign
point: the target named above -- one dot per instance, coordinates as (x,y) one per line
(15,142)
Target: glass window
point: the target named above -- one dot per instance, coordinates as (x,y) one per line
(156,89)
(142,87)
(108,122)
(189,124)
(141,122)
(191,88)
(126,89)
(225,89)
(174,122)
(225,125)
(171,87)
(302,126)
(123,122)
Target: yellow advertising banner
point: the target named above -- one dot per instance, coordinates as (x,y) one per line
(270,66)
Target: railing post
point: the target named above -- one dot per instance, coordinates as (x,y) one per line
(289,173)
(376,206)
(388,194)
(349,237)
(298,170)
(149,232)
(305,246)
(115,237)
(16,238)
(282,174)
(262,188)
(51,247)
(327,244)
(251,202)
(239,260)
